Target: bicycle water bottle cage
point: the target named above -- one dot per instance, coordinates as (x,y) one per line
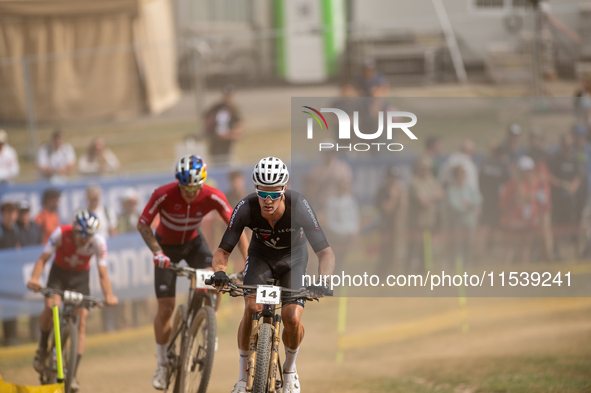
(74,298)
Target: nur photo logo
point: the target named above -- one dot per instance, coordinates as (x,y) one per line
(393,121)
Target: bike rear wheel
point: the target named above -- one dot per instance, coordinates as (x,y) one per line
(175,350)
(199,352)
(261,372)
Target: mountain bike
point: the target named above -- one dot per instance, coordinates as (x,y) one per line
(68,323)
(264,365)
(191,346)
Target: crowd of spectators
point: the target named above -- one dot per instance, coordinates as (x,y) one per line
(527,201)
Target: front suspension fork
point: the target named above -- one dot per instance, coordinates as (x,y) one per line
(275,367)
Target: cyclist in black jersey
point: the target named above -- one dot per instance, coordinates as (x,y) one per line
(282,221)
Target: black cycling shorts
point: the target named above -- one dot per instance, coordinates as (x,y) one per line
(70,280)
(288,267)
(197,255)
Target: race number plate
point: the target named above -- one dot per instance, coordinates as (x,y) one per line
(268,294)
(201,276)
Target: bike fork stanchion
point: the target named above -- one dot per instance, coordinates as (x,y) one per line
(58,345)
(252,356)
(275,354)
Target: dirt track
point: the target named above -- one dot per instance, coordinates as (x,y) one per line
(400,344)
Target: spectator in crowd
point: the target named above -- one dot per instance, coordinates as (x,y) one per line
(321,182)
(583,100)
(583,156)
(127,220)
(98,159)
(48,218)
(127,223)
(9,167)
(56,158)
(510,148)
(9,236)
(371,80)
(464,202)
(29,235)
(434,152)
(565,179)
(424,196)
(391,202)
(106,215)
(29,231)
(520,211)
(494,173)
(464,158)
(109,222)
(9,233)
(536,146)
(342,220)
(544,200)
(345,103)
(223,126)
(237,189)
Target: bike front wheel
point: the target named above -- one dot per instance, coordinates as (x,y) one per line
(261,372)
(70,353)
(174,350)
(199,352)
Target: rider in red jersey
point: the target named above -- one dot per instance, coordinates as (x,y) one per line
(73,246)
(182,206)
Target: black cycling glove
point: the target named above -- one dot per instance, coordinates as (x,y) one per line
(220,278)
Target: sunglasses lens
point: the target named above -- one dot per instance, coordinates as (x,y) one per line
(274,194)
(190,188)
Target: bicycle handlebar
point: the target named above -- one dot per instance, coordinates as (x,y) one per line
(71,297)
(182,270)
(305,293)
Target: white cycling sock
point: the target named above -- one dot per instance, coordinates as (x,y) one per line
(289,365)
(243,364)
(162,359)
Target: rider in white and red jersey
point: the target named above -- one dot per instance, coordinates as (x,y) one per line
(73,247)
(182,206)
(179,220)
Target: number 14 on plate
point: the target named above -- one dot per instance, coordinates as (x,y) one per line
(268,294)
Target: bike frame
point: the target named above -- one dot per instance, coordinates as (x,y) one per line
(269,316)
(67,315)
(195,301)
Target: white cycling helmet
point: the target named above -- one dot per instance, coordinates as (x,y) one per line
(270,172)
(191,171)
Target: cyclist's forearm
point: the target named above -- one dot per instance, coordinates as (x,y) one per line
(149,238)
(326,262)
(220,260)
(105,281)
(40,266)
